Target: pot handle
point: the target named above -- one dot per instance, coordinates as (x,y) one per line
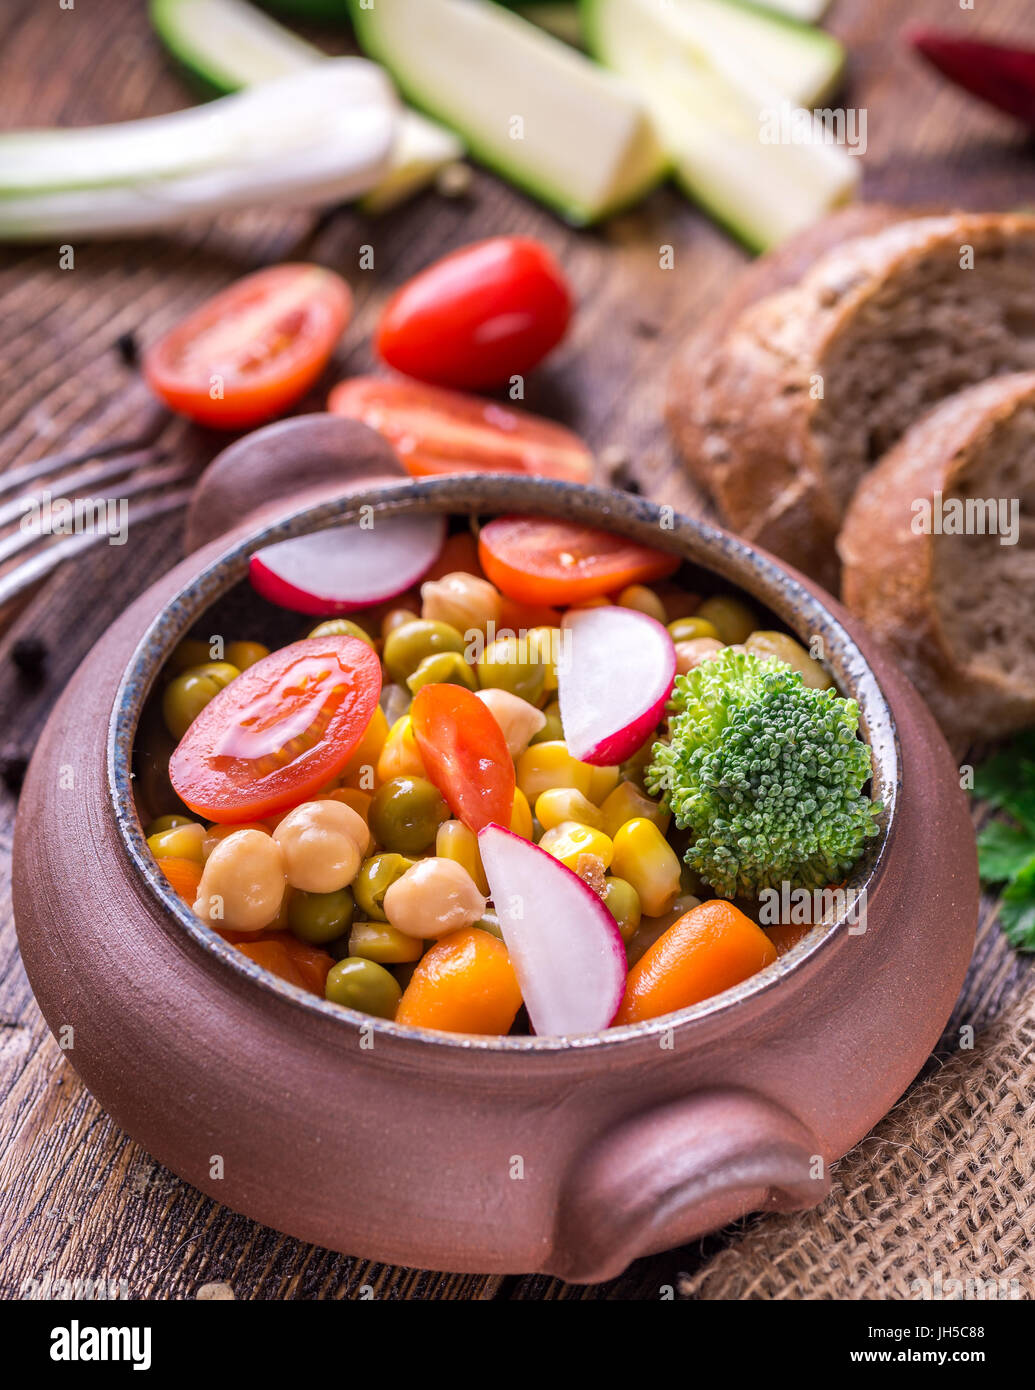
(674,1173)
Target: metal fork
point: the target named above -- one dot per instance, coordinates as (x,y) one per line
(137,469)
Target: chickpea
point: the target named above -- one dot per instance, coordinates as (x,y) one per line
(323,844)
(519,720)
(462,600)
(216,834)
(242,883)
(692,653)
(786,649)
(436,896)
(643,600)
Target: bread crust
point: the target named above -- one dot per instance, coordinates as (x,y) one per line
(742,400)
(889,577)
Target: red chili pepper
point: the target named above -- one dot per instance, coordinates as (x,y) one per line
(999,74)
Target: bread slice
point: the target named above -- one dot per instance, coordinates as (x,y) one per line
(956,609)
(808,386)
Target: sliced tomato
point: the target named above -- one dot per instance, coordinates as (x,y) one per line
(538,560)
(478,316)
(253,349)
(279,732)
(465,754)
(435,431)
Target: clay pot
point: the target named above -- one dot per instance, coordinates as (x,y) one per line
(483,1154)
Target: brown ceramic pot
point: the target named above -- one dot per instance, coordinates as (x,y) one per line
(483,1154)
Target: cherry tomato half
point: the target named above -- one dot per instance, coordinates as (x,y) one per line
(252,350)
(479,316)
(465,754)
(537,560)
(278,732)
(436,431)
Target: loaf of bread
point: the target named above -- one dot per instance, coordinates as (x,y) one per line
(938,549)
(782,407)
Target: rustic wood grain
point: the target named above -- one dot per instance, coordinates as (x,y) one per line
(78,1200)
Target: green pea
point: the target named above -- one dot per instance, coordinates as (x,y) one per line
(384,943)
(491,923)
(364,985)
(623,902)
(553,730)
(185,698)
(156,827)
(341,627)
(320,917)
(444,668)
(406,813)
(407,646)
(733,620)
(689,629)
(376,875)
(512,663)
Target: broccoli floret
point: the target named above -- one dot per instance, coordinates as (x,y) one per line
(766,773)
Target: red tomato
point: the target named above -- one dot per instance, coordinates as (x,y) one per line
(279,732)
(465,753)
(252,350)
(536,560)
(436,431)
(477,317)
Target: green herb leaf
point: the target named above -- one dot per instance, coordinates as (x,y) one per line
(1003,850)
(1017,911)
(1008,780)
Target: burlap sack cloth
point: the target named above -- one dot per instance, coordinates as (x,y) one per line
(943,1190)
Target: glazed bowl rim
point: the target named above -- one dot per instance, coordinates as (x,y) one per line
(698,543)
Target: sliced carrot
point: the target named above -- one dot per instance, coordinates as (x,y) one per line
(464,984)
(459,555)
(291,959)
(184,875)
(705,951)
(522,617)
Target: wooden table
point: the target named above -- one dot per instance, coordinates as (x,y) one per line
(78,1200)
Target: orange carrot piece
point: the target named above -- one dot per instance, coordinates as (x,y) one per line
(291,959)
(522,617)
(184,875)
(705,951)
(459,555)
(464,984)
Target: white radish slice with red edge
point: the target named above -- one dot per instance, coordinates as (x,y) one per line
(565,946)
(614,675)
(348,567)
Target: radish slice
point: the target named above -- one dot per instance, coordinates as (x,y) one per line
(348,567)
(615,674)
(565,946)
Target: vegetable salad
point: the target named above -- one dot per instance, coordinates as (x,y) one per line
(514,797)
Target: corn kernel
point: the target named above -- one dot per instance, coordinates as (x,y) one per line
(521,815)
(453,840)
(569,841)
(543,766)
(644,858)
(182,842)
(544,646)
(400,756)
(565,803)
(367,751)
(602,783)
(627,803)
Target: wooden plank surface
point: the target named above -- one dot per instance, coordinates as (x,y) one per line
(78,1200)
